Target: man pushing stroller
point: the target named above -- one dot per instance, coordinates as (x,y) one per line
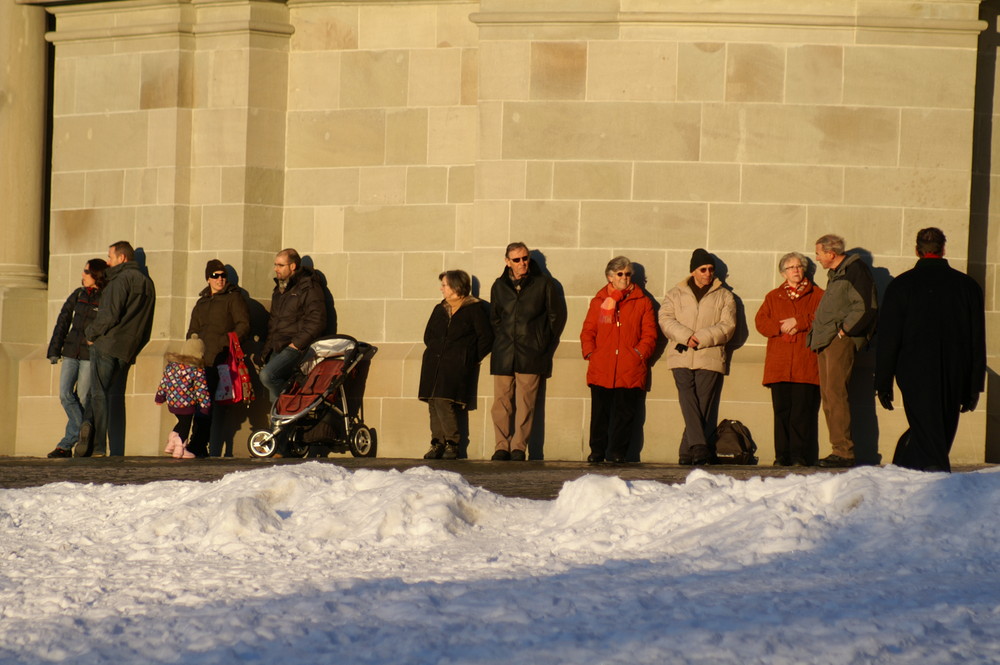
(298,318)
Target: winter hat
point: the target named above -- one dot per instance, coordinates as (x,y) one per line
(215,265)
(193,347)
(701,258)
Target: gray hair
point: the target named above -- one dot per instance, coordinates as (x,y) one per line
(515,245)
(793,255)
(616,264)
(831,243)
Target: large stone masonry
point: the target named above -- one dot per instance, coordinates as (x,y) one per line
(388,141)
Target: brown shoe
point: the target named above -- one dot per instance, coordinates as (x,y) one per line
(436,450)
(836,462)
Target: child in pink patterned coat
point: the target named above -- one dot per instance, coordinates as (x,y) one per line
(184,388)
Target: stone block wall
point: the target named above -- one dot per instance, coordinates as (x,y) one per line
(388,141)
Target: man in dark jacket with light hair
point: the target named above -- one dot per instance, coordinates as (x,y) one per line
(932,340)
(298,318)
(843,324)
(527,315)
(121,329)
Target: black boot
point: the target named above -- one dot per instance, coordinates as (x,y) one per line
(436,450)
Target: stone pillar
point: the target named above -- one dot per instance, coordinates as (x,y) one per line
(23,84)
(168,132)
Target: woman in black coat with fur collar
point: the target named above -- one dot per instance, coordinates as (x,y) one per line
(458,336)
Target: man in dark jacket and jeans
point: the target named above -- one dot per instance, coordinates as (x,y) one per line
(527,315)
(298,318)
(117,334)
(932,341)
(843,324)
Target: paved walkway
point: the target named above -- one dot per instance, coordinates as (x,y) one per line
(531,480)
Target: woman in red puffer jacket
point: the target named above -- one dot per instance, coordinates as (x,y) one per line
(618,338)
(790,367)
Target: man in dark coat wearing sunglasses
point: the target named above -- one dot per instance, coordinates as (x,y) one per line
(527,315)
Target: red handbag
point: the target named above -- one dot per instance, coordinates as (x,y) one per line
(234,379)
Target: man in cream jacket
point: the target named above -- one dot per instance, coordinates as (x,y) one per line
(698,316)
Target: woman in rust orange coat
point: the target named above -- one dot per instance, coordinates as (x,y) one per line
(618,339)
(790,368)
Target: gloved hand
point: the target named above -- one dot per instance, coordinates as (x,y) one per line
(971,404)
(54,359)
(885,399)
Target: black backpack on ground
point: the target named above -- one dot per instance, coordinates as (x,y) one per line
(734,444)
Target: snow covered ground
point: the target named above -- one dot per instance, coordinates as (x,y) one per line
(313,563)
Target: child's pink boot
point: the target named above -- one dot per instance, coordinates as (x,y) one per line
(173,443)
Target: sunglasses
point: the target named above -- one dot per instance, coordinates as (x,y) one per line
(519,259)
(624,274)
(218,275)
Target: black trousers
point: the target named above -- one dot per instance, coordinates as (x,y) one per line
(444,420)
(202,432)
(698,393)
(932,412)
(796,422)
(612,413)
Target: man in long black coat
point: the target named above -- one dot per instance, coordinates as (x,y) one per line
(932,339)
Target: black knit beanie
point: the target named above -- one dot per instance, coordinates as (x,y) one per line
(215,265)
(701,258)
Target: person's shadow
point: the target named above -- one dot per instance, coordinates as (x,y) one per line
(331,309)
(861,389)
(140,259)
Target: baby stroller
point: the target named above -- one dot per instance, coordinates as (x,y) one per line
(320,409)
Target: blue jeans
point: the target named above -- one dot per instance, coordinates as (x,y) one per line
(279,369)
(74,391)
(107,399)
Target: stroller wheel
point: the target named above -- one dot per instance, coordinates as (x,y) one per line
(262,444)
(363,442)
(296,448)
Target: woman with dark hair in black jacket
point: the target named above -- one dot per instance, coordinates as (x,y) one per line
(69,344)
(458,336)
(219,311)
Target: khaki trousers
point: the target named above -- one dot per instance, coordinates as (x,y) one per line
(835,365)
(514,409)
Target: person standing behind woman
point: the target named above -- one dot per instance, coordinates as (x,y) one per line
(69,342)
(219,311)
(618,338)
(790,367)
(458,336)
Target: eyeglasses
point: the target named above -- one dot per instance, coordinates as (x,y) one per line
(707,269)
(518,259)
(218,275)
(624,274)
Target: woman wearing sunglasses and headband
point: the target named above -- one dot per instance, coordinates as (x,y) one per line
(219,311)
(69,343)
(618,339)
(698,316)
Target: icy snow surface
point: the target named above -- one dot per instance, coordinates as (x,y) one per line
(314,563)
